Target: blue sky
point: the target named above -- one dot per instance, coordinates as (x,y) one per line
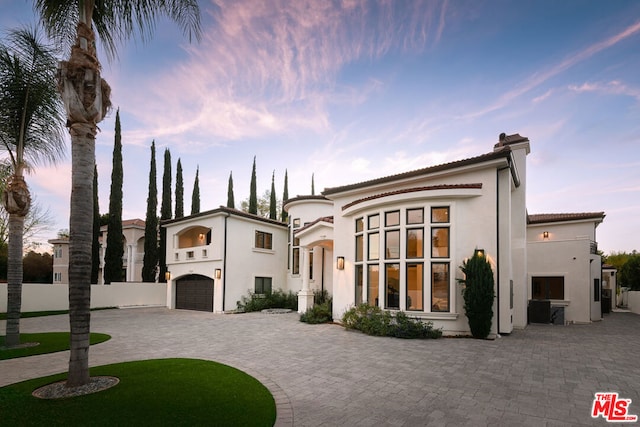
(354,90)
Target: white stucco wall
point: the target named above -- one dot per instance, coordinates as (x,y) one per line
(634,301)
(566,253)
(243,262)
(41,297)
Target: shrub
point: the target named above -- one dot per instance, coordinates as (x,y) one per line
(478,294)
(372,320)
(322,310)
(275,299)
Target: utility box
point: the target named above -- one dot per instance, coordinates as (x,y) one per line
(539,311)
(557,315)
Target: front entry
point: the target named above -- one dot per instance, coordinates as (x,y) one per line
(194,292)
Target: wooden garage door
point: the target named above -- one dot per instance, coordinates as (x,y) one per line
(194,293)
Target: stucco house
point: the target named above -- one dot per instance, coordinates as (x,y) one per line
(214,258)
(398,242)
(133,242)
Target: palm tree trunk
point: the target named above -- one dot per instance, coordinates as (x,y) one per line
(14,279)
(86,99)
(80,243)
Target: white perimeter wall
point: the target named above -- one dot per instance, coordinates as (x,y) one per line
(43,297)
(634,301)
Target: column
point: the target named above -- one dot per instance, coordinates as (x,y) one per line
(305,296)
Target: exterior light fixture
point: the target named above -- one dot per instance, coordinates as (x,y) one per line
(479,252)
(218,273)
(201,236)
(340,263)
(167,275)
(545,234)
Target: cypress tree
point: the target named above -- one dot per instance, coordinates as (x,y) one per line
(115,246)
(313,186)
(253,192)
(273,212)
(179,191)
(285,197)
(95,247)
(478,294)
(165,213)
(150,263)
(231,203)
(195,196)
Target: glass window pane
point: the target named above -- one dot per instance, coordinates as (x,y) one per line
(392,244)
(440,214)
(359,279)
(296,261)
(392,218)
(359,248)
(392,288)
(414,286)
(440,242)
(374,246)
(359,225)
(556,288)
(373,284)
(415,243)
(374,221)
(296,222)
(415,216)
(440,286)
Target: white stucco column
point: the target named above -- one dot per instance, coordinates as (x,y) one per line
(130,263)
(305,296)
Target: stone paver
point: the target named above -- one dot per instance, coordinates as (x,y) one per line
(323,375)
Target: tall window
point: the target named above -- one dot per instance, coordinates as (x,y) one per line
(392,286)
(359,283)
(263,285)
(415,286)
(547,287)
(440,286)
(373,284)
(295,255)
(264,240)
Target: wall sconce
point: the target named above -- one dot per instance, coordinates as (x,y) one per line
(201,236)
(340,263)
(167,275)
(479,252)
(545,234)
(218,273)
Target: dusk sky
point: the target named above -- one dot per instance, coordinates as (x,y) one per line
(354,90)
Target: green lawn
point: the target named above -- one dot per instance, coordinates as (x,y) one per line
(50,342)
(3,316)
(167,392)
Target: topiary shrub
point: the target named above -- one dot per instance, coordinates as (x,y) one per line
(372,320)
(478,293)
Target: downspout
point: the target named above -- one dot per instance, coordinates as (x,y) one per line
(224,262)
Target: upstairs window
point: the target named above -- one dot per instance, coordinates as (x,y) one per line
(264,240)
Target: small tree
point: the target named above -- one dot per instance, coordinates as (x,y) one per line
(115,245)
(313,185)
(95,247)
(165,213)
(179,191)
(195,196)
(231,203)
(478,294)
(253,191)
(273,212)
(285,196)
(150,260)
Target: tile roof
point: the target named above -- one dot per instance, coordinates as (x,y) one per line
(504,152)
(562,217)
(328,219)
(225,209)
(299,198)
(413,190)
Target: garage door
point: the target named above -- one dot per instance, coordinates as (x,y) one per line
(194,293)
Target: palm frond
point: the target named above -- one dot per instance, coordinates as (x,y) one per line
(117,21)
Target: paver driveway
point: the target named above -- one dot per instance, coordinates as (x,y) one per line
(542,376)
